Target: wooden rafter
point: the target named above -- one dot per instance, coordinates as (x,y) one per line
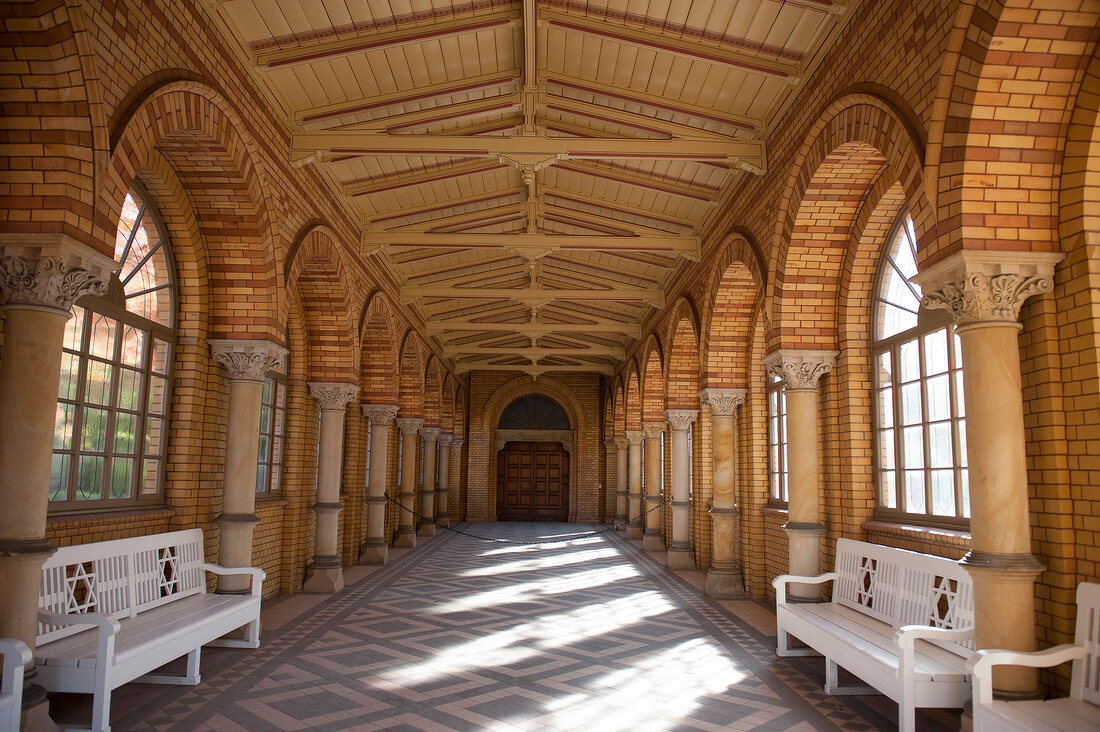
(420,177)
(534,296)
(535,243)
(473,109)
(629,330)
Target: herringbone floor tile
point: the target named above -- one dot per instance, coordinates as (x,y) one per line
(461,634)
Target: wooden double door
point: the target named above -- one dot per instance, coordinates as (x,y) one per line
(533,482)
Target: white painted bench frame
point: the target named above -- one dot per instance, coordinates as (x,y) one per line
(15,655)
(133,591)
(896,598)
(1079,711)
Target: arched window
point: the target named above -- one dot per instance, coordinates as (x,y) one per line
(534,412)
(920,426)
(777,442)
(112,407)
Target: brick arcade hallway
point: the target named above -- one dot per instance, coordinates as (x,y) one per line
(461,634)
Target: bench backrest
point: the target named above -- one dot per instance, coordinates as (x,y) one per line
(901,587)
(1085,683)
(120,578)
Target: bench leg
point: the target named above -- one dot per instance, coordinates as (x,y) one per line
(192,677)
(784,650)
(832,682)
(101,710)
(251,639)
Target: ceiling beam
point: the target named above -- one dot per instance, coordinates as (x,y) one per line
(404,96)
(589,218)
(533,296)
(624,118)
(436,115)
(617,206)
(536,243)
(535,371)
(651,183)
(452,203)
(306,53)
(690,49)
(533,150)
(420,177)
(535,354)
(630,330)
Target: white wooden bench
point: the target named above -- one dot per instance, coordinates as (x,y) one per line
(15,656)
(1080,711)
(899,620)
(146,601)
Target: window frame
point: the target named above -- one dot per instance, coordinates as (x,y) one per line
(280,385)
(928,323)
(779,478)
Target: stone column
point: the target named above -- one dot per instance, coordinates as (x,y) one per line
(40,278)
(984,293)
(381,416)
(430,438)
(634,490)
(621,478)
(725,578)
(406,523)
(443,482)
(455,477)
(652,539)
(680,555)
(324,573)
(247,362)
(801,370)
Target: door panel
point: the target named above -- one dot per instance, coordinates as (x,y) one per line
(533,482)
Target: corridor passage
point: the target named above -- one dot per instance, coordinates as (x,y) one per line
(461,634)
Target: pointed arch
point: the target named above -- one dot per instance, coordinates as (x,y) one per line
(633,398)
(653,383)
(379,358)
(432,393)
(683,366)
(410,393)
(619,416)
(737,288)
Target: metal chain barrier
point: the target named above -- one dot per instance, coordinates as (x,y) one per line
(525,542)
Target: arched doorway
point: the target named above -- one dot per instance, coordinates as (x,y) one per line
(534,438)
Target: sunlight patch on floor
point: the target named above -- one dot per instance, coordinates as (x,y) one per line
(528,591)
(527,565)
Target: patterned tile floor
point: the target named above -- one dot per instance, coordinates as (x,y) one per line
(460,634)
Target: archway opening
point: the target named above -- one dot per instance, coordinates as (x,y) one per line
(534,442)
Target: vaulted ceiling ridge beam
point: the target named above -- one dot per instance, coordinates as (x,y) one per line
(536,329)
(376,41)
(633,96)
(532,241)
(420,177)
(405,96)
(694,49)
(535,150)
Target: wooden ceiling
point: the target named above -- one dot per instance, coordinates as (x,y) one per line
(532,171)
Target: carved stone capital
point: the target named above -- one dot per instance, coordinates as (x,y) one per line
(247,360)
(380,414)
(653,430)
(800,370)
(634,437)
(50,272)
(722,402)
(681,419)
(620,443)
(609,444)
(430,434)
(457,443)
(446,440)
(332,395)
(986,287)
(409,425)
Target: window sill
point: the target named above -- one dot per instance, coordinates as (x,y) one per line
(953,538)
(79,520)
(778,511)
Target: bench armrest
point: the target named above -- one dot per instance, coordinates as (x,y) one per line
(258,575)
(981,664)
(106,626)
(906,634)
(780,583)
(16,656)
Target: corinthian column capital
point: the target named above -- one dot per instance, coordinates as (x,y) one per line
(380,414)
(409,425)
(722,402)
(681,419)
(800,370)
(986,287)
(446,440)
(430,434)
(620,443)
(653,430)
(247,360)
(50,272)
(332,395)
(635,437)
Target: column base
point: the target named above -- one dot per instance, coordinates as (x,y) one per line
(634,532)
(443,521)
(324,580)
(37,718)
(374,554)
(426,530)
(724,585)
(653,543)
(680,559)
(405,539)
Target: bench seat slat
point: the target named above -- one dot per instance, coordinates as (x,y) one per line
(1054,715)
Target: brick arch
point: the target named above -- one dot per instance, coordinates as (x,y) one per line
(608,417)
(205,141)
(410,394)
(460,412)
(447,405)
(683,360)
(1021,64)
(633,398)
(433,385)
(619,415)
(318,275)
(521,386)
(1079,214)
(378,359)
(736,286)
(653,384)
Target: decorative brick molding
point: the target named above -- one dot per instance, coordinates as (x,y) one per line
(247,360)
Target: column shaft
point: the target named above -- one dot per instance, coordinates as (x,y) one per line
(406,526)
(443,483)
(634,488)
(680,555)
(430,439)
(652,539)
(621,482)
(725,577)
(374,549)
